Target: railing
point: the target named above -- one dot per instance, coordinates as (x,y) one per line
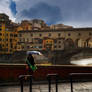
(22,78)
(79,76)
(50,77)
(54,78)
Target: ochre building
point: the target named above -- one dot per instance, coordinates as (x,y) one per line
(8,35)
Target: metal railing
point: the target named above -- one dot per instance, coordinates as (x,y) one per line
(22,78)
(50,77)
(78,75)
(54,78)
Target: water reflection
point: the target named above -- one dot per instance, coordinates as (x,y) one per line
(82,62)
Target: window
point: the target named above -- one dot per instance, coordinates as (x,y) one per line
(11,45)
(20,35)
(0,39)
(31,35)
(22,47)
(55,46)
(7,29)
(55,41)
(15,35)
(23,39)
(20,40)
(6,34)
(59,42)
(59,46)
(40,35)
(6,39)
(0,33)
(6,44)
(10,40)
(28,47)
(47,41)
(69,34)
(11,35)
(90,34)
(59,34)
(2,45)
(40,46)
(27,40)
(79,34)
(49,34)
(40,41)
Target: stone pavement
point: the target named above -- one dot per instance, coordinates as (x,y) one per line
(62,87)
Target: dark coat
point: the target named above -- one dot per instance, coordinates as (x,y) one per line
(31,60)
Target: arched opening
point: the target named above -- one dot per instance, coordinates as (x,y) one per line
(79,43)
(89,43)
(69,43)
(76,43)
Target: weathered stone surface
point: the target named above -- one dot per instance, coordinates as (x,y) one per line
(62,87)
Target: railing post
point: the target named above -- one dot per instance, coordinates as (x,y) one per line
(76,75)
(21,83)
(22,78)
(49,77)
(56,83)
(49,83)
(71,82)
(31,83)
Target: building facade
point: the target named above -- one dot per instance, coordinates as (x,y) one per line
(38,24)
(55,39)
(8,35)
(24,25)
(37,35)
(60,26)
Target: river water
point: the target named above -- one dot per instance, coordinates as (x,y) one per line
(82,62)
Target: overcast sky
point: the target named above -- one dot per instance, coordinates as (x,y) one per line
(77,13)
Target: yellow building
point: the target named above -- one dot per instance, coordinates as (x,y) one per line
(8,35)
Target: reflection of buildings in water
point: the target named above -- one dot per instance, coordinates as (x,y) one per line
(87,61)
(82,58)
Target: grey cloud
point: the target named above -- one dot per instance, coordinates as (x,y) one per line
(51,14)
(75,12)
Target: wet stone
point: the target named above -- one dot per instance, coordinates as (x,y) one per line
(62,87)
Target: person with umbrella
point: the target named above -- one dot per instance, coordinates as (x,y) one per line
(30,62)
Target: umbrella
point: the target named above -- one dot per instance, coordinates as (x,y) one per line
(34,52)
